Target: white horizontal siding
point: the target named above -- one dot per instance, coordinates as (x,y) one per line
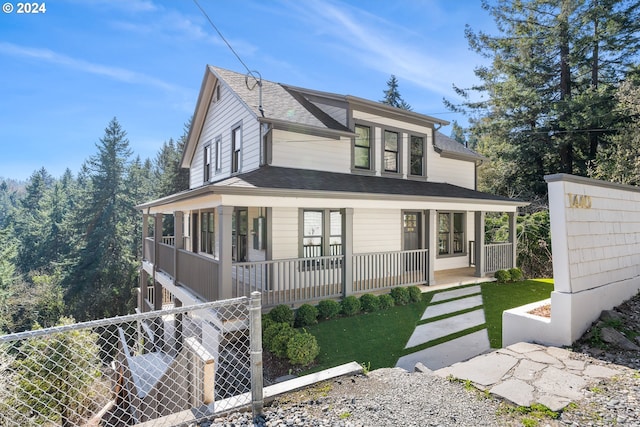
(284,237)
(301,151)
(222,117)
(377,230)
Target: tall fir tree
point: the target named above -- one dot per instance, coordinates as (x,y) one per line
(392,95)
(549,87)
(104,275)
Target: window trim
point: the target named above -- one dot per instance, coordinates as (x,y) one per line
(236,148)
(424,155)
(206,160)
(451,232)
(372,148)
(218,153)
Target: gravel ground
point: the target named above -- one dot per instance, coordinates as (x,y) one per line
(393,397)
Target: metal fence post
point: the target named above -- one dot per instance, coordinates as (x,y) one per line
(255,337)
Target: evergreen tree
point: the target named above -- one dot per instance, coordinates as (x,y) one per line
(550,84)
(392,95)
(104,275)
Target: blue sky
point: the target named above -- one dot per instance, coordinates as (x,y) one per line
(65,73)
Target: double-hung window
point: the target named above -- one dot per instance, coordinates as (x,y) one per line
(362,148)
(321,233)
(207,163)
(416,167)
(391,151)
(451,231)
(207,232)
(236,146)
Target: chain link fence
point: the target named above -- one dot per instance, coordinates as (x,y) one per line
(153,368)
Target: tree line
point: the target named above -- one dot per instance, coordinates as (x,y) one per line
(70,246)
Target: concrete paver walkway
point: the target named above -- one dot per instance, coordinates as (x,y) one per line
(526,373)
(449,302)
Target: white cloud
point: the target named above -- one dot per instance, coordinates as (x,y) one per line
(115,73)
(385,46)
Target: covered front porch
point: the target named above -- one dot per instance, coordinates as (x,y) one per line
(177,262)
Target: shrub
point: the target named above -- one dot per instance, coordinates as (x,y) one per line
(281,339)
(369,303)
(266,323)
(415,294)
(400,295)
(269,332)
(386,301)
(302,348)
(328,309)
(350,305)
(282,314)
(306,315)
(516,274)
(502,276)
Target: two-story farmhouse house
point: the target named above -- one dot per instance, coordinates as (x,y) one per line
(305,195)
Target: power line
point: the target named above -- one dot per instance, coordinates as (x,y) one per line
(225,40)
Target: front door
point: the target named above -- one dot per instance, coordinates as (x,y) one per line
(239,226)
(411,227)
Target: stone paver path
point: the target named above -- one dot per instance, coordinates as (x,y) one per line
(526,373)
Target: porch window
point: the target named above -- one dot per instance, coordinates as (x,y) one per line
(391,151)
(417,156)
(236,145)
(207,232)
(362,148)
(312,240)
(321,233)
(451,233)
(207,163)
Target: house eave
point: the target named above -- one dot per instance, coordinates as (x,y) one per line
(393,112)
(306,129)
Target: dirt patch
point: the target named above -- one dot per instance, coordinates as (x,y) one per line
(275,367)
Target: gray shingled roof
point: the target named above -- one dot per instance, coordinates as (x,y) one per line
(286,103)
(273,177)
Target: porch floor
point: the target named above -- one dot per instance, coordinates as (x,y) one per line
(456,277)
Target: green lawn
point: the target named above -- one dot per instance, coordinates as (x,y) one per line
(378,339)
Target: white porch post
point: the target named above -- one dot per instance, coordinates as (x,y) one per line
(157,239)
(178,233)
(225,285)
(432,243)
(479,238)
(347,231)
(513,238)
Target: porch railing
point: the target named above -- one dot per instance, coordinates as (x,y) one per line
(198,273)
(383,270)
(290,280)
(498,256)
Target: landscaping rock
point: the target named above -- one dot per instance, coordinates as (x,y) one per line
(616,338)
(610,315)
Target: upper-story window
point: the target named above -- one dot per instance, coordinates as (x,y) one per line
(217,147)
(416,166)
(236,147)
(207,162)
(391,151)
(362,148)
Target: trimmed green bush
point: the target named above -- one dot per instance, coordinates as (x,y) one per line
(306,315)
(386,301)
(328,309)
(502,276)
(302,348)
(516,274)
(415,294)
(350,306)
(270,332)
(400,296)
(369,303)
(279,342)
(282,314)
